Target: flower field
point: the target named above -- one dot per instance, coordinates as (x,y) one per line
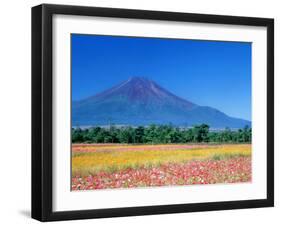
(102,166)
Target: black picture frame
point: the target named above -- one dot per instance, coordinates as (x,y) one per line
(42,111)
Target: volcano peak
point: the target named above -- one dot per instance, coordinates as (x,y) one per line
(139,78)
(141,101)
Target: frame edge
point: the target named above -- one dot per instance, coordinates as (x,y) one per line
(36,156)
(270,112)
(41,192)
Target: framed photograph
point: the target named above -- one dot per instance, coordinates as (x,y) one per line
(145,112)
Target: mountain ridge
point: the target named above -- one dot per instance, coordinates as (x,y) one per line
(141,101)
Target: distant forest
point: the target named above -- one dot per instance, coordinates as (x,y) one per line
(160,134)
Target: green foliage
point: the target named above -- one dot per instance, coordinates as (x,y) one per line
(162,134)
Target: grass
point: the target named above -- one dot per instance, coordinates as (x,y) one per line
(93,158)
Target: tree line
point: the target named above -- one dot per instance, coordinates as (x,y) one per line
(160,134)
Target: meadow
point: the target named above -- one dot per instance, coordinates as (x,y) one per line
(103,166)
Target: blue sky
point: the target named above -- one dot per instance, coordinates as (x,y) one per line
(208,73)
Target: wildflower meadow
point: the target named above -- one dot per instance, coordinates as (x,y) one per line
(110,166)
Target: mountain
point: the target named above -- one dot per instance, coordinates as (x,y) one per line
(140,101)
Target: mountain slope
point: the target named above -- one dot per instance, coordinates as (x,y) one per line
(139,101)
